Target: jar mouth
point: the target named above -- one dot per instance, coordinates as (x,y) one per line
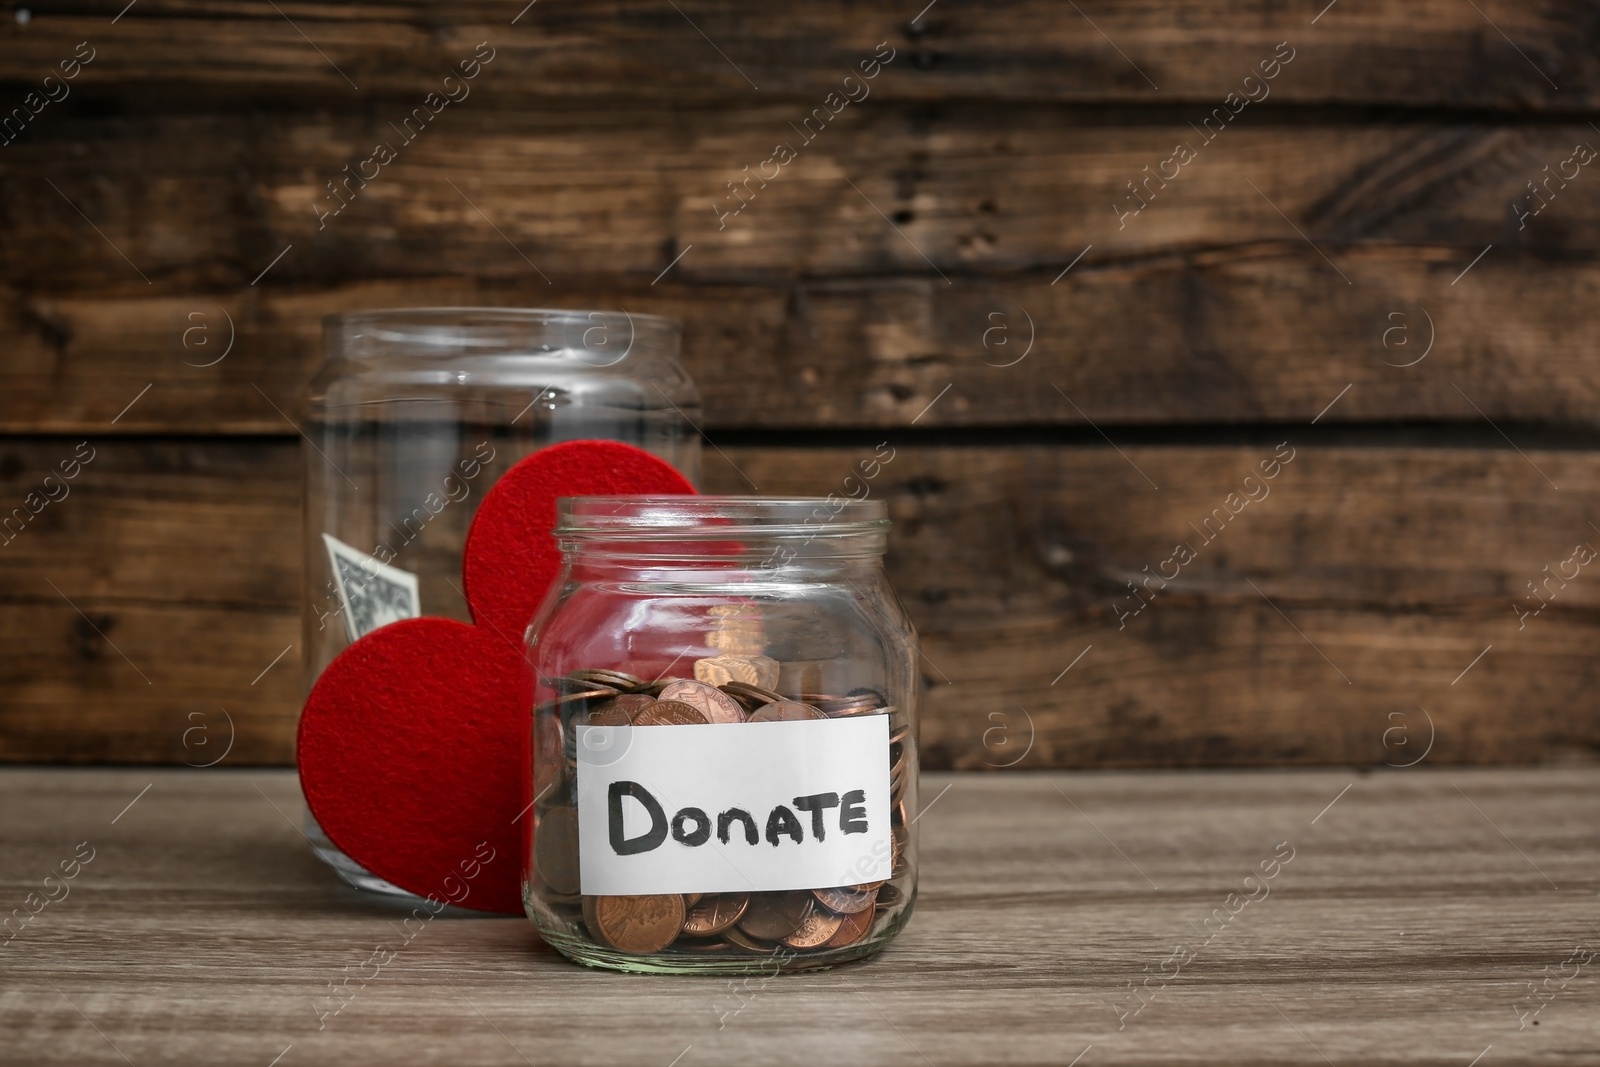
(452,315)
(421,329)
(688,518)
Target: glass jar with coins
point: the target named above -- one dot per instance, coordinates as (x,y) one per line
(724,737)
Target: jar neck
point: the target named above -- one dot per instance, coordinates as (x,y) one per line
(721,539)
(819,558)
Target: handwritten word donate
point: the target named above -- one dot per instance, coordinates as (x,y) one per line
(692,826)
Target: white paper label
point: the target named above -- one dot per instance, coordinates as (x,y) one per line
(733,808)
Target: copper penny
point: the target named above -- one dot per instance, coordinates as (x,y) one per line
(750,697)
(752,670)
(815,929)
(639,925)
(572,686)
(632,703)
(574,704)
(720,670)
(746,703)
(898,780)
(555,849)
(844,901)
(712,702)
(614,679)
(715,914)
(785,711)
(654,688)
(735,936)
(670,713)
(618,711)
(888,897)
(852,928)
(774,916)
(857,704)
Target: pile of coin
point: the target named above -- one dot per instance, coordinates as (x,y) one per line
(768,923)
(774,923)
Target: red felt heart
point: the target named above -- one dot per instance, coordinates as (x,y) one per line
(406,764)
(511,556)
(413,746)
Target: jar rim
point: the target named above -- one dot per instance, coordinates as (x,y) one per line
(686,517)
(402,319)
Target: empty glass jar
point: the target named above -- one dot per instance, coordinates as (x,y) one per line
(411,418)
(724,737)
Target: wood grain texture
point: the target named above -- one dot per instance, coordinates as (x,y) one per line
(1361,584)
(961,252)
(1343,604)
(1431,53)
(620,192)
(1253,334)
(1403,930)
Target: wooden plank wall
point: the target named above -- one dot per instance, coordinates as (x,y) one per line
(1372,272)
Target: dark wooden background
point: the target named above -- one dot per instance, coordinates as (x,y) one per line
(913,255)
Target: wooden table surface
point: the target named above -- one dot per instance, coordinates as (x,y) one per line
(1425,917)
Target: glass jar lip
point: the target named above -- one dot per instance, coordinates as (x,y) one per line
(431,315)
(417,324)
(685,517)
